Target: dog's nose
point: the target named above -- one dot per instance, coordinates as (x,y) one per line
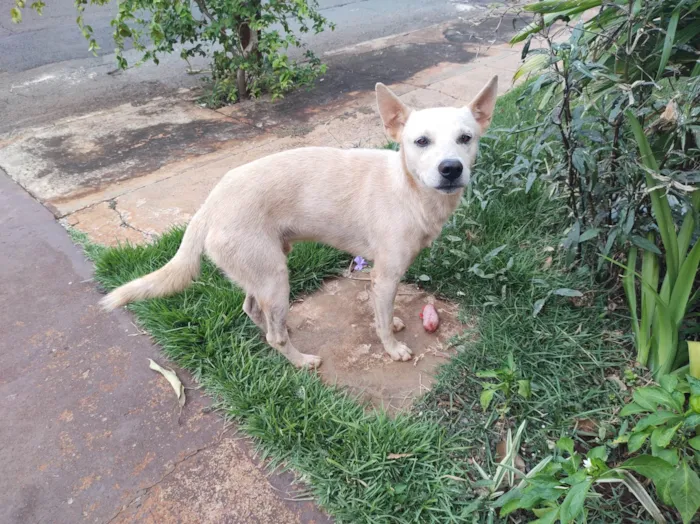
(450,169)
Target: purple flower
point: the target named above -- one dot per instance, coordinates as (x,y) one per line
(360,263)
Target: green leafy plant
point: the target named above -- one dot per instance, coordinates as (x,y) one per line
(509,383)
(248,41)
(557,488)
(669,428)
(658,326)
(632,56)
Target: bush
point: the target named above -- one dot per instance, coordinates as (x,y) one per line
(248,50)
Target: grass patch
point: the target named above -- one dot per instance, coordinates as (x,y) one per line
(341,449)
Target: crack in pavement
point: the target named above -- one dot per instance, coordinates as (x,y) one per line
(112,204)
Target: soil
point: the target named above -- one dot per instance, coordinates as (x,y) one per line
(337,323)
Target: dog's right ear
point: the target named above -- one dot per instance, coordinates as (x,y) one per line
(393,111)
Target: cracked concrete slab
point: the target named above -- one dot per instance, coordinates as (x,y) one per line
(89,433)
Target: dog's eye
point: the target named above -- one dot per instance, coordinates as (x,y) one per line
(422,141)
(464,139)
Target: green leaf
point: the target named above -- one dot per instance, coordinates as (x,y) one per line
(692,421)
(669,41)
(695,443)
(632,409)
(547,517)
(669,383)
(566,292)
(489,373)
(566,444)
(16,15)
(694,384)
(524,389)
(657,419)
(453,238)
(645,244)
(669,455)
(637,440)
(573,503)
(685,491)
(600,452)
(538,306)
(653,468)
(661,437)
(486,397)
(493,253)
(588,234)
(424,278)
(653,396)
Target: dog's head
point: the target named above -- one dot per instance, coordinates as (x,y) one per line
(440,144)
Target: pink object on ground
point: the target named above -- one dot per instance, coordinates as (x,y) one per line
(431,321)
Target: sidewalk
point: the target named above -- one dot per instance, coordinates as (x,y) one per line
(89,432)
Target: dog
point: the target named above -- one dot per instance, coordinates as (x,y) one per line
(383,205)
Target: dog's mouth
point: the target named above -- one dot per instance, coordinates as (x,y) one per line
(448,189)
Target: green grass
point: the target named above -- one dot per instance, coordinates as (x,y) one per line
(336,445)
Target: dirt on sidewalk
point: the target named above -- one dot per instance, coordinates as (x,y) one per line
(89,432)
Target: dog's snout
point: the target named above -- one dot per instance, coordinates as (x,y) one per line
(451,169)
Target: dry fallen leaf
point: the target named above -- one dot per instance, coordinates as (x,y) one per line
(171,377)
(394,456)
(502,451)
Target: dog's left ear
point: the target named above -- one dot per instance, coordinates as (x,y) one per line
(483,104)
(393,111)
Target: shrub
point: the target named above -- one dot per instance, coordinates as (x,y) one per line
(247,40)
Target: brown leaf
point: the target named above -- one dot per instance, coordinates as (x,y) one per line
(502,451)
(587,426)
(394,456)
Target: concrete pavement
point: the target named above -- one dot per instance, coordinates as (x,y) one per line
(89,433)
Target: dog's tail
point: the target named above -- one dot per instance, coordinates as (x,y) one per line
(172,277)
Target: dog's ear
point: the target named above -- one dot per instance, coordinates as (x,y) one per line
(483,104)
(393,111)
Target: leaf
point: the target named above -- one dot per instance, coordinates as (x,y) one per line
(399,488)
(489,373)
(171,377)
(685,491)
(695,443)
(538,306)
(547,517)
(637,440)
(394,456)
(566,444)
(531,177)
(424,278)
(16,15)
(578,159)
(524,389)
(645,244)
(637,489)
(657,419)
(661,437)
(573,503)
(632,409)
(653,468)
(600,452)
(453,238)
(566,292)
(651,397)
(486,397)
(492,254)
(668,41)
(589,234)
(669,383)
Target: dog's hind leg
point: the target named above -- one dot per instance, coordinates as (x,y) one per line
(274,301)
(252,309)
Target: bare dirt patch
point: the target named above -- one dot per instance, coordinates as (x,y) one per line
(337,323)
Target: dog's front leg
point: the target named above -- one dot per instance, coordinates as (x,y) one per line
(384,286)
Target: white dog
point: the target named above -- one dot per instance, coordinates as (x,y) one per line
(383,205)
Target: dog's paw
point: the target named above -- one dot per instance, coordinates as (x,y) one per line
(400,352)
(304,361)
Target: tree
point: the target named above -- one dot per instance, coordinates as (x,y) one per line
(248,41)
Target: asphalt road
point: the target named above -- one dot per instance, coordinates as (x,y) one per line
(54,36)
(47,73)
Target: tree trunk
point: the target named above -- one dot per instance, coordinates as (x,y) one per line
(249,46)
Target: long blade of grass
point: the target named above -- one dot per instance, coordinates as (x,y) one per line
(668,41)
(639,492)
(659,202)
(684,285)
(694,355)
(650,282)
(688,227)
(631,294)
(664,337)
